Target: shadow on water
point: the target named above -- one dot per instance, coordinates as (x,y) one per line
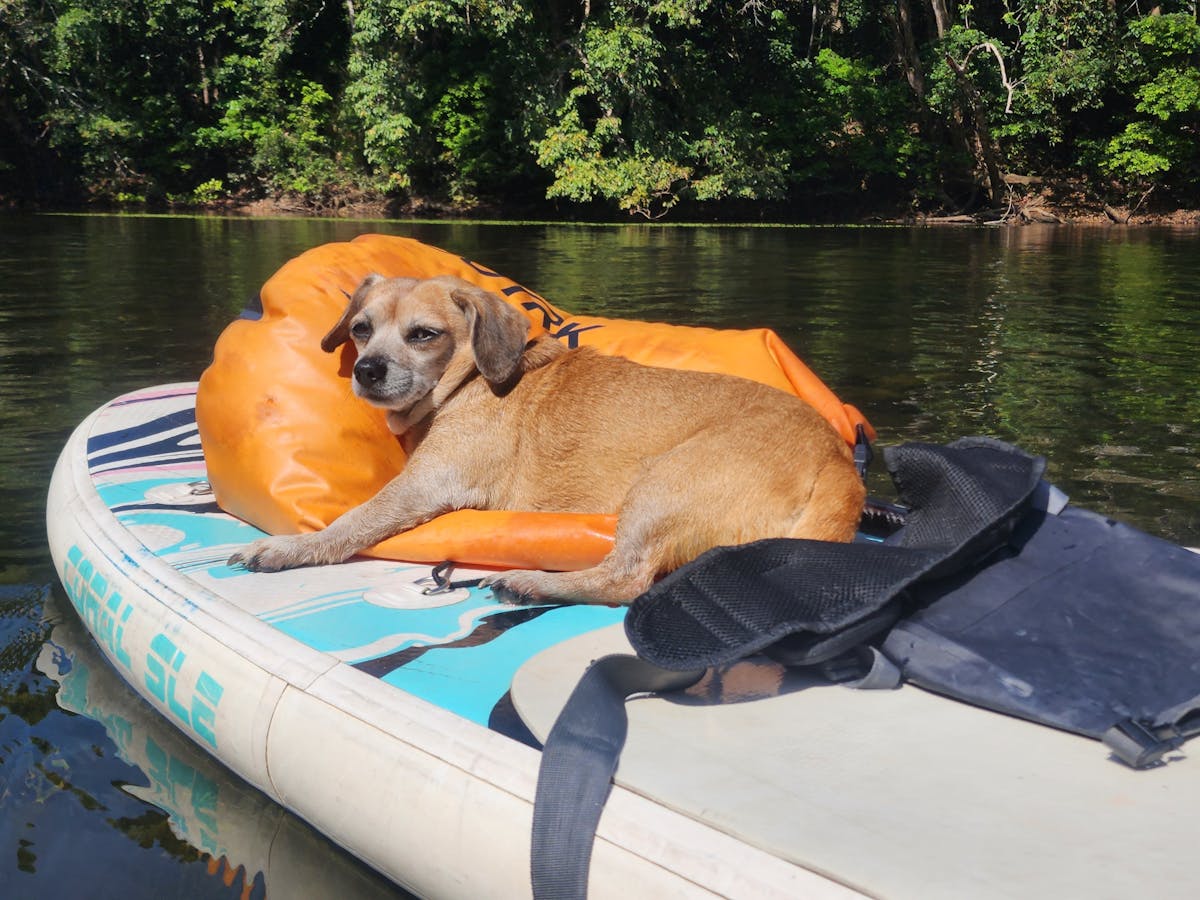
(1078,344)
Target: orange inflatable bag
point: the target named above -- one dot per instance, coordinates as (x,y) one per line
(289,447)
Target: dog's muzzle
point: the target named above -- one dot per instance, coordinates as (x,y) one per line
(376,379)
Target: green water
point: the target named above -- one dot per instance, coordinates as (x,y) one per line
(1077,344)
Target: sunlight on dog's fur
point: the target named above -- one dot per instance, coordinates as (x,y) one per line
(492,420)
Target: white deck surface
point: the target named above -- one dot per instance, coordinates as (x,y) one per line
(902,794)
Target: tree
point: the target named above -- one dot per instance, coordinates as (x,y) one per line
(1158,147)
(273,98)
(130,85)
(653,107)
(701,101)
(443,91)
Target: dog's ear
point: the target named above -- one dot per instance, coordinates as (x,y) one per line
(340,333)
(498,332)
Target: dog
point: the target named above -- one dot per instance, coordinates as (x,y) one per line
(491,419)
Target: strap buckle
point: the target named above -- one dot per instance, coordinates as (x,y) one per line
(1137,744)
(863,454)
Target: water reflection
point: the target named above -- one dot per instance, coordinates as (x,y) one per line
(232,834)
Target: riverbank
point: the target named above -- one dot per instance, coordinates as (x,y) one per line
(1061,206)
(1029,200)
(1025,208)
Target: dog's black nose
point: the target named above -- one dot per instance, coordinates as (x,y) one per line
(370,370)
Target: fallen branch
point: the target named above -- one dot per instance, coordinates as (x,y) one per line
(1138,205)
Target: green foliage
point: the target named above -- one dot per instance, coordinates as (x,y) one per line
(276,125)
(1141,153)
(702,102)
(285,138)
(119,137)
(1159,146)
(208,191)
(646,106)
(439,89)
(858,108)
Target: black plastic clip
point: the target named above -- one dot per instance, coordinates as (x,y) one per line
(863,454)
(1136,744)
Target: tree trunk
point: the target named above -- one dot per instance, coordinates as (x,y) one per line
(941,17)
(203,78)
(985,150)
(906,48)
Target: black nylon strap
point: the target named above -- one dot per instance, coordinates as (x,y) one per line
(578,762)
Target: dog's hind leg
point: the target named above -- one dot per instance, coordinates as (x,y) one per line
(700,495)
(671,514)
(655,512)
(834,508)
(619,578)
(625,573)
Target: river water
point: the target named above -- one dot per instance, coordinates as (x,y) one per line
(1078,344)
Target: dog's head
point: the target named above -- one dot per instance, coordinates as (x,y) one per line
(418,340)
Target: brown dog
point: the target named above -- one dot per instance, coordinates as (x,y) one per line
(491,420)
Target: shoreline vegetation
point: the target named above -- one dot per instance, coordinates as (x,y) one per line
(1037,209)
(689,111)
(1032,209)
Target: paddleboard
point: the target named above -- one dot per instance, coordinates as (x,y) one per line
(405,725)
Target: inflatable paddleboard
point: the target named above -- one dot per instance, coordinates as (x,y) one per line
(404,725)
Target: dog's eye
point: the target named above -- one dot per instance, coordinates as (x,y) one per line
(422,335)
(360,331)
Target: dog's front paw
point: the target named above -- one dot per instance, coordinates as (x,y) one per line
(290,551)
